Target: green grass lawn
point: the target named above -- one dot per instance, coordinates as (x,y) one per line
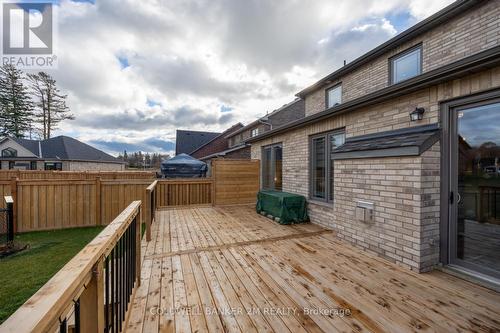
(23,273)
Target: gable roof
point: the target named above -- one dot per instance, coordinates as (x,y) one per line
(432,21)
(188,141)
(65,148)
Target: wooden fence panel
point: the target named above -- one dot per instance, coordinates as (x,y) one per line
(236,181)
(46,205)
(115,196)
(86,175)
(184,192)
(4,191)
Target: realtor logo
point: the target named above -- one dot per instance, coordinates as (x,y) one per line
(28,34)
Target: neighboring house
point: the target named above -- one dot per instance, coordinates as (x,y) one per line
(217,147)
(188,141)
(59,153)
(279,117)
(377,154)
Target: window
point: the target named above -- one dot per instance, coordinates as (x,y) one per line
(53,166)
(9,152)
(322,167)
(33,165)
(334,96)
(406,65)
(272,167)
(255,132)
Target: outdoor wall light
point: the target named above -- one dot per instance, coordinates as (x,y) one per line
(417,114)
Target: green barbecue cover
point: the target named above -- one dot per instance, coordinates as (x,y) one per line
(288,207)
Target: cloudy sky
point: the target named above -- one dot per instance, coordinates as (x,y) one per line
(135,71)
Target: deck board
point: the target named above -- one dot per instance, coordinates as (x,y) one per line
(213,269)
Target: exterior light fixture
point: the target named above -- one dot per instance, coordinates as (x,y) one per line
(417,114)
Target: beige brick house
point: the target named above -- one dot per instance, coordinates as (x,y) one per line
(398,152)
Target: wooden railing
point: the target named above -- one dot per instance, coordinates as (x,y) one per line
(185,192)
(151,204)
(92,292)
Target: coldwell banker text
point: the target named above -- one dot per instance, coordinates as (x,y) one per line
(28,34)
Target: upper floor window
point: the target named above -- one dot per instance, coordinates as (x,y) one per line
(334,96)
(255,132)
(9,152)
(406,65)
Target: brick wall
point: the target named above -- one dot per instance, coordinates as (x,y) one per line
(92,166)
(405,190)
(466,34)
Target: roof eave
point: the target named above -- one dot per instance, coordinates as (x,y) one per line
(471,64)
(446,13)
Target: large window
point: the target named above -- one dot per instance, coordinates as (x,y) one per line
(272,167)
(53,166)
(334,96)
(322,167)
(406,65)
(9,152)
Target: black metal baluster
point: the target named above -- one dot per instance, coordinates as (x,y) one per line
(129,266)
(63,326)
(106,291)
(122,290)
(118,313)
(77,316)
(113,286)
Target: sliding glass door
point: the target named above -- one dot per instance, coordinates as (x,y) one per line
(272,167)
(475,188)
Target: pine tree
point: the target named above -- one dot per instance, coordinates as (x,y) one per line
(16,106)
(51,106)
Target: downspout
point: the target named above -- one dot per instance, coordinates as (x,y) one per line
(266,123)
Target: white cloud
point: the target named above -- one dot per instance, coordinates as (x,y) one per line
(192,56)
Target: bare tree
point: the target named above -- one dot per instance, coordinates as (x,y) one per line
(50,104)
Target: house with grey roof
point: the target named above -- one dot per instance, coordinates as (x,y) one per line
(58,153)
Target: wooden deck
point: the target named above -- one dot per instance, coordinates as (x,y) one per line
(229,269)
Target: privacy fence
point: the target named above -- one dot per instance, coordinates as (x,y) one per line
(88,175)
(51,203)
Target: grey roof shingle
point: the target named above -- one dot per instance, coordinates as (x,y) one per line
(65,148)
(188,141)
(402,142)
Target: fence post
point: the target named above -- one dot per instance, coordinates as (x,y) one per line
(13,194)
(214,181)
(98,200)
(10,218)
(92,302)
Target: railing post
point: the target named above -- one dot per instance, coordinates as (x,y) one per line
(10,218)
(92,301)
(13,194)
(150,215)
